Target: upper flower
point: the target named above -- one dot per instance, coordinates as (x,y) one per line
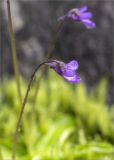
(80,15)
(67,71)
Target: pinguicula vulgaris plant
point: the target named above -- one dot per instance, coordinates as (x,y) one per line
(77,15)
(65,70)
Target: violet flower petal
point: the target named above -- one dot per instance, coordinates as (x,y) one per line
(68,72)
(72,65)
(73,80)
(86,15)
(88,23)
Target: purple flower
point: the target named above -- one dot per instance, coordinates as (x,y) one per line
(67,71)
(80,15)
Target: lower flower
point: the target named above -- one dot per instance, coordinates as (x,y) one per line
(67,71)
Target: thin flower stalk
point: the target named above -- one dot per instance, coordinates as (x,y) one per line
(22,111)
(14,55)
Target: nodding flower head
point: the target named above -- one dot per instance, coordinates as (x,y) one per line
(80,15)
(67,71)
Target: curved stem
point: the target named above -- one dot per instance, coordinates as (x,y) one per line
(14,56)
(22,110)
(49,54)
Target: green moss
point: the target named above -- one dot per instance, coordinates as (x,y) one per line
(68,122)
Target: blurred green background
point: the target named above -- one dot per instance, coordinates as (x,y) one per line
(68,121)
